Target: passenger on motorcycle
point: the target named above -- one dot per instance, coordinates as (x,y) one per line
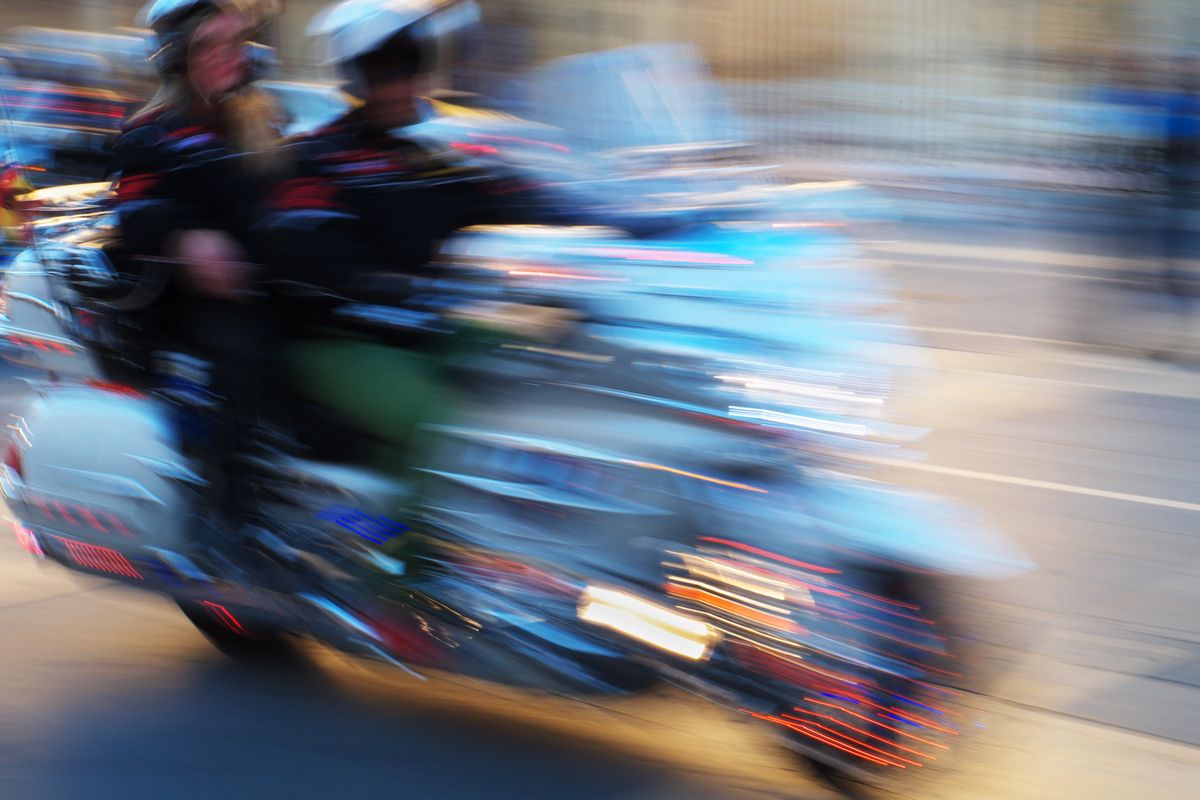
(364,202)
(190,169)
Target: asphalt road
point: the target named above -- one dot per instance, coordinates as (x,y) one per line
(1086,457)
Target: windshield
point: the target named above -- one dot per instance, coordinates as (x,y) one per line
(644,96)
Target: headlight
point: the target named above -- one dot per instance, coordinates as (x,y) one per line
(647,622)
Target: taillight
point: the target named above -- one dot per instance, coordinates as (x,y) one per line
(12,459)
(114,388)
(28,540)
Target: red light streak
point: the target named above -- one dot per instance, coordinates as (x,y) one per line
(825,739)
(864,733)
(893,612)
(475,149)
(848,748)
(875,722)
(114,388)
(774,556)
(738,609)
(225,617)
(491,137)
(907,716)
(920,721)
(39,344)
(855,742)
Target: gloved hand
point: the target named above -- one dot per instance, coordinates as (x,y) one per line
(542,323)
(214,264)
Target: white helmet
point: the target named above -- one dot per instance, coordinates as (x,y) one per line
(159,13)
(172,22)
(356,28)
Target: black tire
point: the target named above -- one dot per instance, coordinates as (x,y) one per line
(868,782)
(238,640)
(841,783)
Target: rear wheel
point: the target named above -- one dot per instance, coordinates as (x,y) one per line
(881,723)
(238,639)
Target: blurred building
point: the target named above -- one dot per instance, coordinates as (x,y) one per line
(763,38)
(1001,80)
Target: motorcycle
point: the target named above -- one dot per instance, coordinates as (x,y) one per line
(664,492)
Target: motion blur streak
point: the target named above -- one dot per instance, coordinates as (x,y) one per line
(646,622)
(822,738)
(758,551)
(845,724)
(877,722)
(735,608)
(696,476)
(852,740)
(225,617)
(674,257)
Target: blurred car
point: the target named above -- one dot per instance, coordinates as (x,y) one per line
(55,122)
(66,93)
(124,54)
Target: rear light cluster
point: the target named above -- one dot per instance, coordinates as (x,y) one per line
(43,345)
(27,540)
(65,102)
(57,513)
(12,459)
(99,559)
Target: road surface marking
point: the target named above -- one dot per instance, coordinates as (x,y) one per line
(1031,483)
(1063,258)
(967,332)
(908,263)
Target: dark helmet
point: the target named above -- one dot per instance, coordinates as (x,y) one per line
(366,38)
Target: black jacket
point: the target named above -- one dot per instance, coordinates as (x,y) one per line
(362,203)
(173,174)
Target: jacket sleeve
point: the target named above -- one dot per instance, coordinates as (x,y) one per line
(307,230)
(481,198)
(152,202)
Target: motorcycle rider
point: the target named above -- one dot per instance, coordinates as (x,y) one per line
(367,201)
(190,169)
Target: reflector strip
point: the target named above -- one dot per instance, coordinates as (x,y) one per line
(100,559)
(225,617)
(28,541)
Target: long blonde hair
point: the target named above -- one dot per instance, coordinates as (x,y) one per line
(246,117)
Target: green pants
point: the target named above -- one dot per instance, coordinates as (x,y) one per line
(385,391)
